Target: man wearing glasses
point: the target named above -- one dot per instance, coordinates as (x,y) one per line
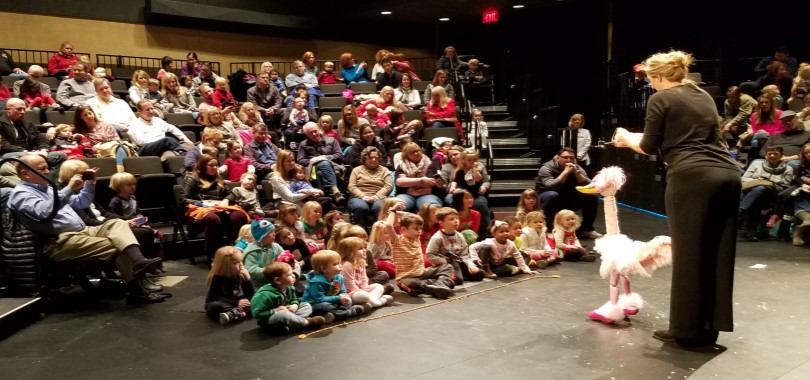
(557,181)
(19,138)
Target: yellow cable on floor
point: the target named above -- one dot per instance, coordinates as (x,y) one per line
(305,336)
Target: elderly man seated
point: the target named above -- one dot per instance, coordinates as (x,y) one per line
(68,238)
(149,134)
(557,180)
(300,76)
(110,109)
(324,154)
(78,90)
(19,138)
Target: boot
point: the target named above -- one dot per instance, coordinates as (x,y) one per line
(149,285)
(315,322)
(488,272)
(339,199)
(137,295)
(800,230)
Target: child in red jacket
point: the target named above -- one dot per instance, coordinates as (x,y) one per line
(222,98)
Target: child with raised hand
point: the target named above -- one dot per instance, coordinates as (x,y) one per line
(246,195)
(353,255)
(124,202)
(448,246)
(275,305)
(535,240)
(229,287)
(529,201)
(390,204)
(412,276)
(379,246)
(326,291)
(299,249)
(373,273)
(236,164)
(499,256)
(262,251)
(244,238)
(314,226)
(566,223)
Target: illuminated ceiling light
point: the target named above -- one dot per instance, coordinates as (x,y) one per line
(385,13)
(444,19)
(518,6)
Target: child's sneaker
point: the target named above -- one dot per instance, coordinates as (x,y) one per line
(230,316)
(356,310)
(438,291)
(366,307)
(388,288)
(542,264)
(588,258)
(532,264)
(772,221)
(387,299)
(315,322)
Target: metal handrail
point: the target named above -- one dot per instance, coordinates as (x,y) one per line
(127,61)
(51,184)
(490,158)
(35,57)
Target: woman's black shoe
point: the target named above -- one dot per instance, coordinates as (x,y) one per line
(664,336)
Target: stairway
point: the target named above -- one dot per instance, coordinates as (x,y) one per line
(514,164)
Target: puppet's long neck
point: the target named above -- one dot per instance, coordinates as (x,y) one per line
(611,216)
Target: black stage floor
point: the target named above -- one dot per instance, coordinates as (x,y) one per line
(532,329)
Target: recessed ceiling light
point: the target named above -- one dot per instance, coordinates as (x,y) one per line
(518,6)
(444,19)
(385,13)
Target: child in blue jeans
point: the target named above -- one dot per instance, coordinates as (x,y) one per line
(276,307)
(325,290)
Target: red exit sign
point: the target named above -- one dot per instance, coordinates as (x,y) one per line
(490,16)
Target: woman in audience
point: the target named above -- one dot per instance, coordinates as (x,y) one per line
(368,138)
(214,120)
(369,184)
(450,62)
(439,80)
(139,88)
(406,94)
(353,72)
(472,176)
(60,64)
(309,63)
(412,176)
(284,174)
(192,67)
(777,75)
(801,84)
(102,135)
(378,57)
(402,65)
(166,65)
(210,138)
(265,69)
(178,95)
(765,122)
(385,102)
(440,111)
(349,126)
(205,188)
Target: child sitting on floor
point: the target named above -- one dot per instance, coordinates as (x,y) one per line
(325,289)
(275,305)
(499,256)
(448,246)
(566,224)
(379,246)
(314,226)
(262,251)
(229,287)
(535,240)
(353,255)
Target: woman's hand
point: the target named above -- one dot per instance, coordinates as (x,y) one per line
(620,137)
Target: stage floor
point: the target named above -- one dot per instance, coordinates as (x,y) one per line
(531,328)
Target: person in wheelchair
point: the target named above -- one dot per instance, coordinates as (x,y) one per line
(68,237)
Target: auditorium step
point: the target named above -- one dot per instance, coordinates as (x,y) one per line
(17,313)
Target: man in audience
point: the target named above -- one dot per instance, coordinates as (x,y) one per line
(206,76)
(738,109)
(266,98)
(35,72)
(791,140)
(149,134)
(109,108)
(557,181)
(78,90)
(261,152)
(323,153)
(19,139)
(388,77)
(8,68)
(300,76)
(782,54)
(68,238)
(763,180)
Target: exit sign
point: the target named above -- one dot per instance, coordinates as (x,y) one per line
(490,16)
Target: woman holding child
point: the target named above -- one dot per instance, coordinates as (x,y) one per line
(284,174)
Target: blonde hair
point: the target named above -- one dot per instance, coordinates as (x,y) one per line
(804,71)
(521,207)
(164,81)
(474,62)
(245,234)
(377,232)
(308,208)
(347,249)
(70,168)
(672,66)
(323,258)
(355,231)
(564,213)
(223,265)
(61,127)
(579,115)
(331,122)
(337,234)
(155,82)
(329,64)
(120,179)
(443,99)
(282,155)
(410,148)
(211,133)
(138,74)
(385,207)
(533,216)
(243,112)
(220,80)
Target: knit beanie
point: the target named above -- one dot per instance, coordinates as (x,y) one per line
(260,228)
